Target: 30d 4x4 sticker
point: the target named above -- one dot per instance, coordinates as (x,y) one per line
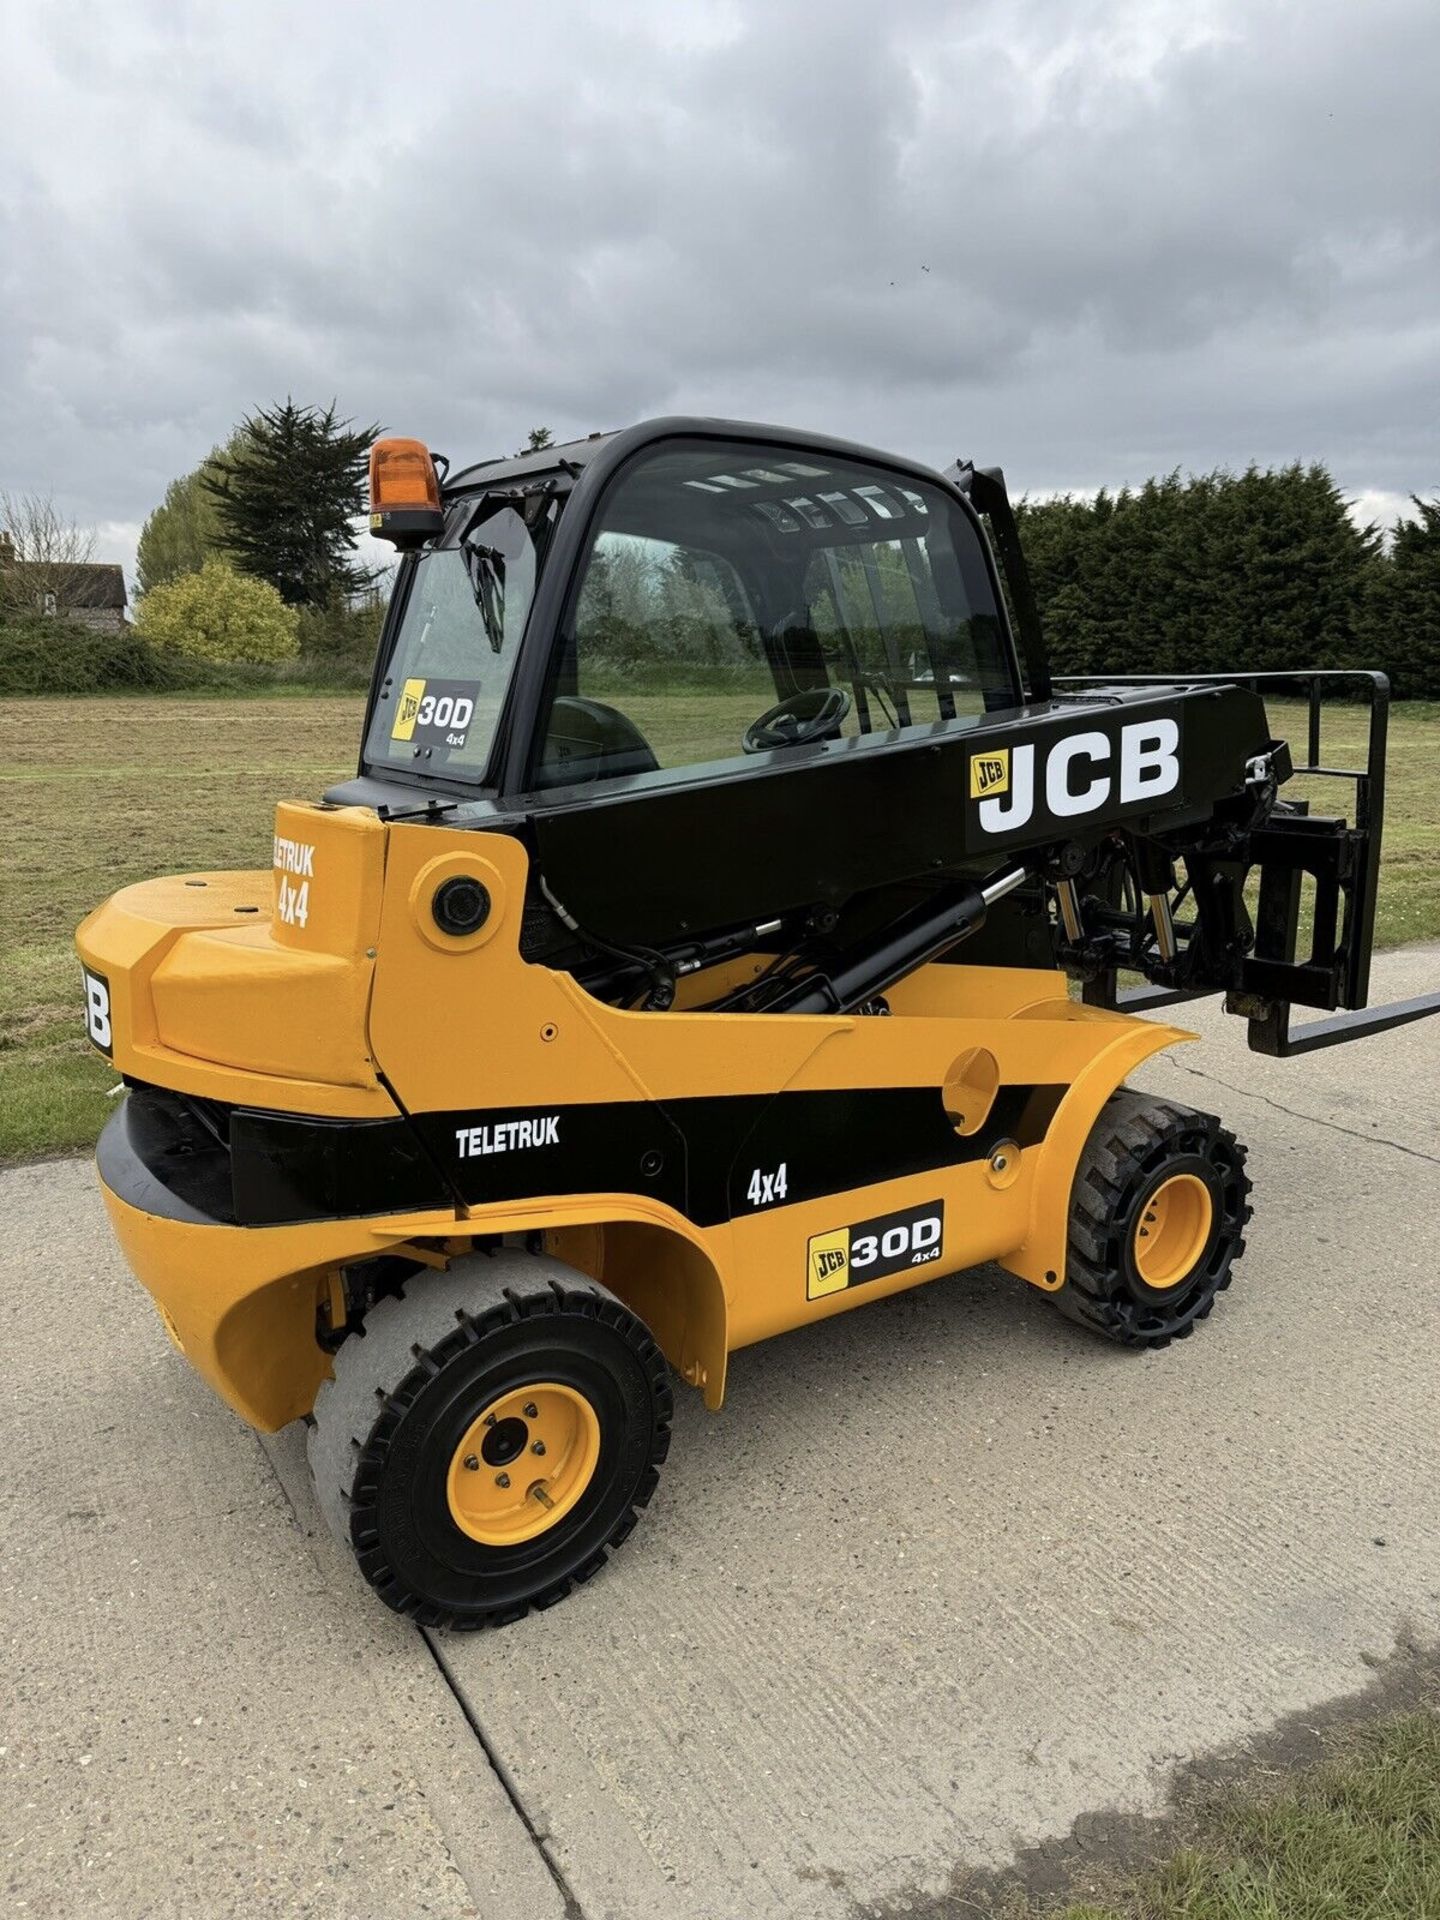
(435,713)
(895,1242)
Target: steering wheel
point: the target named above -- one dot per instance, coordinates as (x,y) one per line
(802,717)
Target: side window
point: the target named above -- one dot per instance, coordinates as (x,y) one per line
(739,598)
(665,669)
(880,613)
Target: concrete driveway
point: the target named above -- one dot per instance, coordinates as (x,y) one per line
(945,1575)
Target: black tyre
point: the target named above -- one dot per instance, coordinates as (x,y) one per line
(1157,1220)
(489,1437)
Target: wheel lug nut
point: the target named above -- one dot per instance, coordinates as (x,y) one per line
(530,1409)
(472,1465)
(502,1479)
(539,1447)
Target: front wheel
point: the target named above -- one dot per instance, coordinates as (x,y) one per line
(1157,1220)
(489,1437)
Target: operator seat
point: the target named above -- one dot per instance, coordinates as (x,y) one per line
(587,740)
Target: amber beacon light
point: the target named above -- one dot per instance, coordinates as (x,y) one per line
(404,493)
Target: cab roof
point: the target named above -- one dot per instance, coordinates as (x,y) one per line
(572,453)
(575,455)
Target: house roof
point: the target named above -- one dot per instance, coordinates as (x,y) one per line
(89,586)
(96,586)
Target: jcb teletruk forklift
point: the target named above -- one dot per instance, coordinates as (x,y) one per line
(688,961)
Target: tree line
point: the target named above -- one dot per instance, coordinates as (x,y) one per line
(251,556)
(247,570)
(1222,571)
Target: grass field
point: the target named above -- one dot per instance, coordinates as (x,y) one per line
(1353,1836)
(99,792)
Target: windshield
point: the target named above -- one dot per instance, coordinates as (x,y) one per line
(450,665)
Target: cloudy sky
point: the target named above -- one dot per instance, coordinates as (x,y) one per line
(1088,241)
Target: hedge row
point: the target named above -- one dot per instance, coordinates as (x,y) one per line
(60,656)
(1260,570)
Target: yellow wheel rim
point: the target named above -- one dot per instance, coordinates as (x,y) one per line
(1173,1230)
(523,1464)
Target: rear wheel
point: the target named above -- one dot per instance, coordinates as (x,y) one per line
(1157,1220)
(489,1437)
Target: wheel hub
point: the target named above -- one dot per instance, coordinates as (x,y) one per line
(504,1441)
(522,1464)
(1172,1231)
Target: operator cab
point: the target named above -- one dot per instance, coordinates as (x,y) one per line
(685,601)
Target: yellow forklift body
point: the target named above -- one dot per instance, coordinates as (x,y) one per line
(320,1003)
(241,1302)
(213,993)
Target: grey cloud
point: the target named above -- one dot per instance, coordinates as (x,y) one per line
(1091,241)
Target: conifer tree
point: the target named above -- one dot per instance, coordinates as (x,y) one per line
(1406,614)
(286,493)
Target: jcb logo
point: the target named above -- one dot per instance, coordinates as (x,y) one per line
(1082,773)
(989,773)
(829,1259)
(411,694)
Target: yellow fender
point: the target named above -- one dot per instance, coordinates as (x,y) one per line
(1040,1258)
(241,1302)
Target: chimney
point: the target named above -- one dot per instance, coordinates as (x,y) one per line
(7,550)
